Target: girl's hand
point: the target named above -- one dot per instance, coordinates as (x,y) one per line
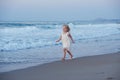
(57,40)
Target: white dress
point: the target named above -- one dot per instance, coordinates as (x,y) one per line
(66,40)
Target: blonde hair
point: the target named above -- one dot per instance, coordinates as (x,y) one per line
(67,26)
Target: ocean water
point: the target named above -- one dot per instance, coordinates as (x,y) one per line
(25,36)
(16,38)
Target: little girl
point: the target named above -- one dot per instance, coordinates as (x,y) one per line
(65,38)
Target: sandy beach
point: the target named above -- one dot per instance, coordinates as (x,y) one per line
(100,67)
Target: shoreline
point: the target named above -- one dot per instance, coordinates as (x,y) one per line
(97,67)
(33,57)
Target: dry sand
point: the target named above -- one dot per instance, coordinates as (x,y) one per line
(100,67)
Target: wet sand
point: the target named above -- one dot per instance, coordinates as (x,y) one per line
(99,67)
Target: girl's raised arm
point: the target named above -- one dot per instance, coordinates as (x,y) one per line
(59,39)
(71,37)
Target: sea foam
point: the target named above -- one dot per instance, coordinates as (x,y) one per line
(18,37)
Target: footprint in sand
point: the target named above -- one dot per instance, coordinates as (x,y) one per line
(110,78)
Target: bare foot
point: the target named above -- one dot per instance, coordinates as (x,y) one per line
(71,57)
(63,59)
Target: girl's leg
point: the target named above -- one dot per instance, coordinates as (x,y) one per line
(70,54)
(64,50)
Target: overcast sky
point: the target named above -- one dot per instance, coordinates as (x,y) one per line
(58,10)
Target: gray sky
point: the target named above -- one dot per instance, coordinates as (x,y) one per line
(58,10)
